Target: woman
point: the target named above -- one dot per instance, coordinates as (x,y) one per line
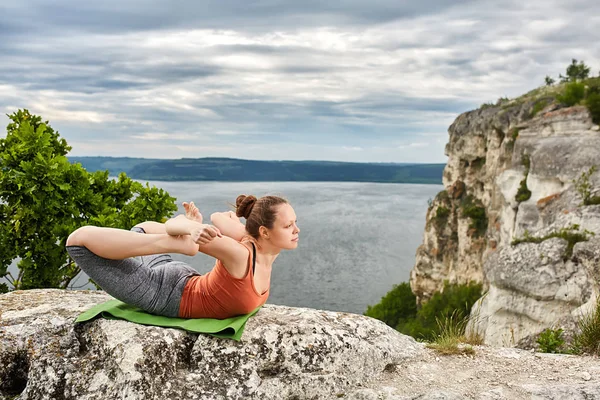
(132,266)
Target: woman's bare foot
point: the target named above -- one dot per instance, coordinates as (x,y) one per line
(187,245)
(192,212)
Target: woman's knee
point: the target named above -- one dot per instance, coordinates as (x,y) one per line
(80,236)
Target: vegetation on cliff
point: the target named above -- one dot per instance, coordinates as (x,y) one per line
(576,87)
(398,309)
(585,189)
(523,193)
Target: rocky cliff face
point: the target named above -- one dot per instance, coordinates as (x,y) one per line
(510,178)
(285,353)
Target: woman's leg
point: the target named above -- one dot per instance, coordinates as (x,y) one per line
(151,227)
(118,244)
(154,288)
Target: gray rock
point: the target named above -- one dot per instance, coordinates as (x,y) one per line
(588,254)
(284,353)
(571,392)
(440,395)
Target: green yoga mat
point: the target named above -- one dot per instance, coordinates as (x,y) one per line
(230,328)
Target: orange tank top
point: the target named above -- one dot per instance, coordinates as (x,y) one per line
(219,295)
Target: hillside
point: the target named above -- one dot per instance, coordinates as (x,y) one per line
(231,169)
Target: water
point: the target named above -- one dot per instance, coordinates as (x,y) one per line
(357,239)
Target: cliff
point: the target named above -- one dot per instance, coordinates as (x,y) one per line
(510,215)
(285,353)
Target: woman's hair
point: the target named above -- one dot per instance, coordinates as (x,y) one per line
(257,212)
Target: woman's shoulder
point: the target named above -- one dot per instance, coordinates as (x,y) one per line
(249,244)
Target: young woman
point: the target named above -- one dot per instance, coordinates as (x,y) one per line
(132,265)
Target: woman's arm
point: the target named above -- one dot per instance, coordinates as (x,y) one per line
(229,224)
(213,242)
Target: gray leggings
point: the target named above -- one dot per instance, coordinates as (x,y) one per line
(153,283)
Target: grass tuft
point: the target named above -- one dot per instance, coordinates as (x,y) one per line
(453,338)
(588,339)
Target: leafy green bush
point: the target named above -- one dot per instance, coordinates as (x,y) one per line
(573,93)
(43,198)
(487,105)
(396,307)
(510,142)
(473,209)
(593,85)
(514,133)
(523,194)
(453,302)
(551,341)
(592,103)
(441,217)
(584,187)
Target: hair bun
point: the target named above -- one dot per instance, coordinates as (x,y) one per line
(244,205)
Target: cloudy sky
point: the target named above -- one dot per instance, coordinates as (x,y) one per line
(377,80)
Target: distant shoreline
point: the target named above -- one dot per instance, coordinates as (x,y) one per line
(239,170)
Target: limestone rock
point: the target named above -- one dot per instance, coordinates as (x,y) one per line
(284,353)
(493,154)
(571,392)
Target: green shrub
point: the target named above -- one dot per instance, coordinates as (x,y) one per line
(396,307)
(473,209)
(592,103)
(593,85)
(514,133)
(573,93)
(523,194)
(443,196)
(441,217)
(454,301)
(551,341)
(584,187)
(487,105)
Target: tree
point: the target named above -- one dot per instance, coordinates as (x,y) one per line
(43,198)
(576,72)
(549,81)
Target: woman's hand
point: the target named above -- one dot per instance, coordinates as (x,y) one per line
(204,234)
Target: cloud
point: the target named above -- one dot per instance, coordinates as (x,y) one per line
(306,80)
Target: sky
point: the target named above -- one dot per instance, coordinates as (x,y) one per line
(361,81)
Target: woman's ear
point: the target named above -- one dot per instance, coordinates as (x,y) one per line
(264,233)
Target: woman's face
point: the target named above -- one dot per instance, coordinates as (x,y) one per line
(284,233)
